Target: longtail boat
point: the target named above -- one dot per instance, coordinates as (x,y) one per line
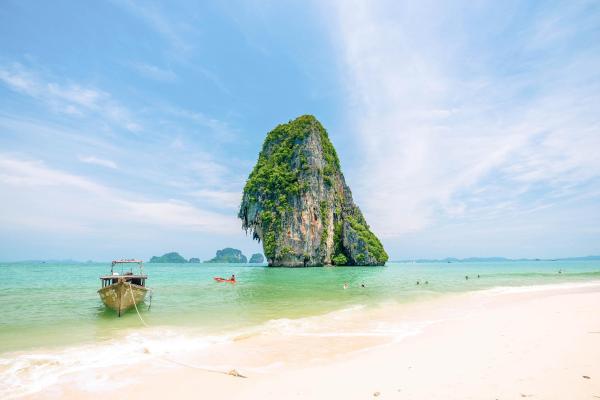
(122,290)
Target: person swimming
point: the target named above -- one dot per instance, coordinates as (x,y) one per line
(345,285)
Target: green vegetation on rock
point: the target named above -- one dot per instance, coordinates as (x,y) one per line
(338,245)
(373,245)
(339,259)
(274,179)
(294,192)
(172,257)
(228,255)
(257,258)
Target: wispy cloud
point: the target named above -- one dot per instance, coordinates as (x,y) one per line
(81,202)
(98,161)
(222,131)
(154,72)
(449,125)
(219,198)
(28,173)
(68,98)
(209,171)
(174,32)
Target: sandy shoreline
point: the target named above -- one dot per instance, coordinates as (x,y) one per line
(493,344)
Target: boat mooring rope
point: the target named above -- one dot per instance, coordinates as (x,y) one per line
(135,305)
(233,372)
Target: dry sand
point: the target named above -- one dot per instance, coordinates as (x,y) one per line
(514,344)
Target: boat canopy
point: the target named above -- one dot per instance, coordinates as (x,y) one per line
(139,280)
(129,261)
(140,263)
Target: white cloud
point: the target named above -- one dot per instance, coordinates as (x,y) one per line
(442,133)
(219,198)
(85,97)
(72,99)
(154,72)
(177,144)
(21,173)
(173,31)
(207,170)
(222,131)
(40,194)
(181,215)
(98,161)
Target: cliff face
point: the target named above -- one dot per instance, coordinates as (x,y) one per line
(297,203)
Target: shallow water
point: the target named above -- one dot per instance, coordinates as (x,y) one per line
(54,328)
(46,305)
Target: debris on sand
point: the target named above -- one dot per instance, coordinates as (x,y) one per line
(233,372)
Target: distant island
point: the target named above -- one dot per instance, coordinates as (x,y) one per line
(297,203)
(497,259)
(256,258)
(419,260)
(172,258)
(229,255)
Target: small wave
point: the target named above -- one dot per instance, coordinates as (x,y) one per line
(346,323)
(288,326)
(539,288)
(24,374)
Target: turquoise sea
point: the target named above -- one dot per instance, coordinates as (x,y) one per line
(46,306)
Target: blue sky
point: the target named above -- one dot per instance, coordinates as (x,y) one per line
(127,129)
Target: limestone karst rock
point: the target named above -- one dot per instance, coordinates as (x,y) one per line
(297,203)
(256,258)
(172,257)
(228,255)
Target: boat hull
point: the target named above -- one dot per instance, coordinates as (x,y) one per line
(118,296)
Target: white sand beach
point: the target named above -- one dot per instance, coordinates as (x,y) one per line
(534,342)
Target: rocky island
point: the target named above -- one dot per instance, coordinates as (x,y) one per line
(257,258)
(172,257)
(228,255)
(297,203)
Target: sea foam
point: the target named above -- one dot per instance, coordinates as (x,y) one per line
(500,290)
(27,373)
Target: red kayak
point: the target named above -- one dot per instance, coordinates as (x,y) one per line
(219,279)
